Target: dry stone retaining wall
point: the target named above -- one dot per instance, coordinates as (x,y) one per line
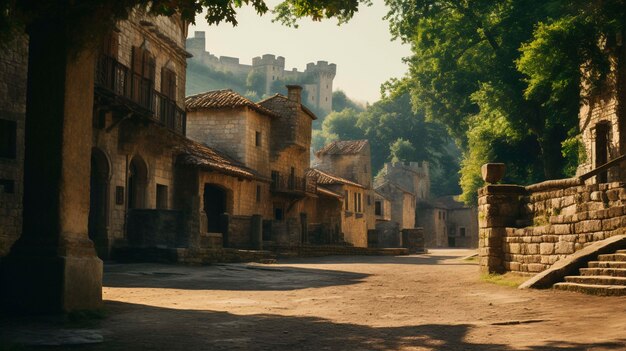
(527,229)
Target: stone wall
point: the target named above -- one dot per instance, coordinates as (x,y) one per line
(13,72)
(527,229)
(223,130)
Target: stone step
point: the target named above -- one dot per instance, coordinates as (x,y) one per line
(621,251)
(606,264)
(621,257)
(596,280)
(614,272)
(602,290)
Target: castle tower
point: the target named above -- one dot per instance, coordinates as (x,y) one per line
(321,94)
(272,67)
(196,45)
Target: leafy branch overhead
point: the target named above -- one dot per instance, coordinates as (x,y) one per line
(505,76)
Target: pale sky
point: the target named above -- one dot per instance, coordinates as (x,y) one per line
(362,49)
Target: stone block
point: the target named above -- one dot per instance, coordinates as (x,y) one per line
(561,229)
(564,247)
(532,249)
(536,267)
(588,226)
(513,248)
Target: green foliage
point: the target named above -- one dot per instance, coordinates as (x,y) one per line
(201,78)
(391,124)
(77,17)
(401,151)
(255,82)
(574,153)
(341,102)
(504,77)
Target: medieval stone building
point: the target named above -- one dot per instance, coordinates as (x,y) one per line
(13,69)
(316,79)
(447,222)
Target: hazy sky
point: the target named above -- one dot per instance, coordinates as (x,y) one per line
(362,49)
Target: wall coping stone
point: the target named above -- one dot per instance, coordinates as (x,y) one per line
(492,189)
(555,184)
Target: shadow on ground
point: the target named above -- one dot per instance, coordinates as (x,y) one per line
(415,259)
(225,277)
(140,327)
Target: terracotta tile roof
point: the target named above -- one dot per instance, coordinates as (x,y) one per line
(220,99)
(323,191)
(282,106)
(327,178)
(199,155)
(343,147)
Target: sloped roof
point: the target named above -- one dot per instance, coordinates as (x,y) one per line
(327,178)
(199,155)
(449,202)
(282,106)
(395,186)
(343,147)
(220,99)
(323,191)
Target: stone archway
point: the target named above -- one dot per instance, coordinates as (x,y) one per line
(99,202)
(137,183)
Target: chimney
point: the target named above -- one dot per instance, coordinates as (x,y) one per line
(294,92)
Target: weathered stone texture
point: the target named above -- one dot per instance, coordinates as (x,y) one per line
(13,72)
(559,221)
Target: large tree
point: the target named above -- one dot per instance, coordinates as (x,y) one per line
(504,75)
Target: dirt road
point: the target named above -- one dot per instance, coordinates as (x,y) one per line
(420,302)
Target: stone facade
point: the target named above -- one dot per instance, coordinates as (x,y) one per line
(448,223)
(602,123)
(320,74)
(13,72)
(402,206)
(527,229)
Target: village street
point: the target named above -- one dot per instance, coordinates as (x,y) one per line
(434,301)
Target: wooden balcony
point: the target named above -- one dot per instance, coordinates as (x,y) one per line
(293,185)
(121,88)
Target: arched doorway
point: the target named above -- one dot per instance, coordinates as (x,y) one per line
(98,202)
(137,183)
(214,206)
(602,149)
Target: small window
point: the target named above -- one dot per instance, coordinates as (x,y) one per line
(326,99)
(369,200)
(356,203)
(346,197)
(273,78)
(7,186)
(360,202)
(8,139)
(278,214)
(258,193)
(378,208)
(444,216)
(161,196)
(462,231)
(257,138)
(439,214)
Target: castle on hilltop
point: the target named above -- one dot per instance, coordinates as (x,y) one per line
(316,80)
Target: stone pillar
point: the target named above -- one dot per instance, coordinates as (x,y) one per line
(225,227)
(256,232)
(53,267)
(498,208)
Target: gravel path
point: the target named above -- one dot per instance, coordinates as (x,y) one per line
(420,302)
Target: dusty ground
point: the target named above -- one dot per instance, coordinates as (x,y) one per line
(420,302)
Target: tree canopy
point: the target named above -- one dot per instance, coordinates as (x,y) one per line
(504,76)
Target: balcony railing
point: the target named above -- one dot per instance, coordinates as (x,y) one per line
(293,184)
(138,93)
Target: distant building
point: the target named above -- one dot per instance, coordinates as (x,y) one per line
(316,79)
(448,222)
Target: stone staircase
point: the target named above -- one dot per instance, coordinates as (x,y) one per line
(606,276)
